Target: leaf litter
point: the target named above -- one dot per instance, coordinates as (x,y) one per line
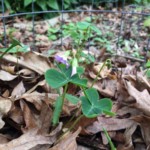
(26,102)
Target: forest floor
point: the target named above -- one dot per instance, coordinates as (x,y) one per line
(27,101)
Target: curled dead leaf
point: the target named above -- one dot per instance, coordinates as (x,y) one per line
(6,76)
(110,124)
(142,98)
(31,60)
(68,141)
(18,90)
(144,122)
(5,106)
(31,139)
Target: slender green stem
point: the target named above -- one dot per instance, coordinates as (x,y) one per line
(59,106)
(72,117)
(64,93)
(75,122)
(72,126)
(98,74)
(109,139)
(78,50)
(80,47)
(77,109)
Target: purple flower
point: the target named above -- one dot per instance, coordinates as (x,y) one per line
(62,60)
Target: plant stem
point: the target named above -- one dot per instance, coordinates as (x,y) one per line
(80,47)
(63,96)
(109,139)
(75,122)
(98,74)
(72,117)
(64,93)
(72,126)
(59,106)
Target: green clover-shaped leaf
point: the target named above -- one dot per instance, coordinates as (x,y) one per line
(55,78)
(58,79)
(92,106)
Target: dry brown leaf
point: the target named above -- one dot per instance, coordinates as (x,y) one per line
(119,137)
(143,79)
(32,139)
(83,148)
(144,122)
(27,141)
(4,138)
(41,83)
(6,94)
(93,75)
(27,74)
(83,122)
(105,71)
(139,81)
(7,68)
(5,106)
(29,119)
(106,87)
(68,142)
(31,60)
(140,146)
(110,124)
(37,98)
(41,29)
(6,76)
(16,115)
(122,147)
(142,98)
(18,90)
(128,111)
(128,145)
(44,120)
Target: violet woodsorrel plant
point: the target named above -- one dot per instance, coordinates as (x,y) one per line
(92,105)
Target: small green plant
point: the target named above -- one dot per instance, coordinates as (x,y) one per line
(147,22)
(52,33)
(143,2)
(13,48)
(92,105)
(148,69)
(26,5)
(80,34)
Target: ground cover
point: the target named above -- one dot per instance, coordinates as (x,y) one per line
(80,85)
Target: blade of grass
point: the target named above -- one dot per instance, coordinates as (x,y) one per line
(14,43)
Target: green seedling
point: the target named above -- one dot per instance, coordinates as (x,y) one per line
(80,33)
(147,22)
(61,78)
(52,33)
(148,69)
(91,104)
(11,48)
